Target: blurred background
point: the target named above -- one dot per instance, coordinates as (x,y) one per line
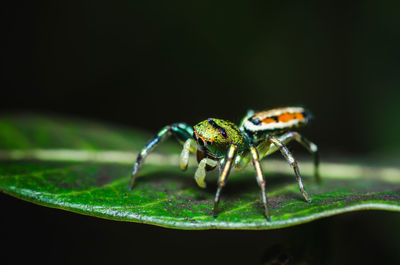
(144,64)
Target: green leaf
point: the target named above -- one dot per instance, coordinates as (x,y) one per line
(85,167)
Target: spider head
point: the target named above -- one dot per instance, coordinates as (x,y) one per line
(216,135)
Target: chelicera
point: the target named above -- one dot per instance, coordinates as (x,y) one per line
(220,143)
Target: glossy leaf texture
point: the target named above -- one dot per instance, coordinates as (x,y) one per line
(85,167)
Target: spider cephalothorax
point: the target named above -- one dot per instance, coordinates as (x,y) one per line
(216,135)
(221,143)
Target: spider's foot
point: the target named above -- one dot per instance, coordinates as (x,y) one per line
(215,210)
(305,195)
(309,200)
(134,173)
(266,213)
(131,183)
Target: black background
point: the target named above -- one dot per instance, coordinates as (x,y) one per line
(148,63)
(145,64)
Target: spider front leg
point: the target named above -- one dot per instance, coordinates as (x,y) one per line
(181,131)
(289,157)
(224,175)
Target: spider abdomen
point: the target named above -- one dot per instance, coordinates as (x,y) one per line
(276,121)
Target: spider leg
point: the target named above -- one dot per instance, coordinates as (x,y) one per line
(289,157)
(265,148)
(181,131)
(224,175)
(249,113)
(200,174)
(242,160)
(260,179)
(310,146)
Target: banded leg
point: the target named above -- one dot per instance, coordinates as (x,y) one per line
(289,157)
(265,148)
(200,174)
(224,175)
(181,131)
(310,146)
(260,179)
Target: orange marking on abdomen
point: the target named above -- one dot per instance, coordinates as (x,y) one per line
(290,116)
(268,120)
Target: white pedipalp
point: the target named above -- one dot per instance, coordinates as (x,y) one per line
(200,174)
(189,146)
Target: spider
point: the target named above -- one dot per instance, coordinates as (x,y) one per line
(220,143)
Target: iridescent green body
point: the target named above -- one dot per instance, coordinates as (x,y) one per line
(216,135)
(220,143)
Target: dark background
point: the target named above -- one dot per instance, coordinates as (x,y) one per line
(145,64)
(148,63)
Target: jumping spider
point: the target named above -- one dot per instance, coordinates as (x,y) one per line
(221,143)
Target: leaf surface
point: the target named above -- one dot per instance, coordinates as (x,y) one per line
(85,167)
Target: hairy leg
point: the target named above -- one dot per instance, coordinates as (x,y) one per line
(289,157)
(224,175)
(260,179)
(310,146)
(266,148)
